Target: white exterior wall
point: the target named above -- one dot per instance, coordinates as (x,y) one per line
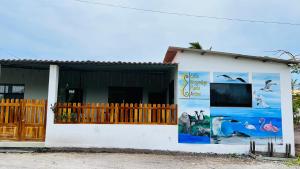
(165,137)
(189,61)
(35,81)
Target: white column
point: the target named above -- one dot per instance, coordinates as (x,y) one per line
(52,98)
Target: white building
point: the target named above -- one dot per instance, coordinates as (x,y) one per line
(224,101)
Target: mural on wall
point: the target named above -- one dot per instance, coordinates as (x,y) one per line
(193,85)
(230,77)
(266,90)
(241,125)
(201,124)
(261,123)
(194,121)
(194,112)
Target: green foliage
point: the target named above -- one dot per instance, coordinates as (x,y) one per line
(296,106)
(195,45)
(294,162)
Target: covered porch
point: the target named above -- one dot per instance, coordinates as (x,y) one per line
(116,92)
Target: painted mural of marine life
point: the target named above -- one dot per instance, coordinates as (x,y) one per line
(261,123)
(266,90)
(194,122)
(194,85)
(230,77)
(241,125)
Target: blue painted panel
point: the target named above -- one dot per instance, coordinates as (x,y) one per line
(193,85)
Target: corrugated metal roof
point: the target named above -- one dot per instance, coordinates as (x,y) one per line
(34,61)
(172,51)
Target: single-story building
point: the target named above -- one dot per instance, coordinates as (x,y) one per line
(194,101)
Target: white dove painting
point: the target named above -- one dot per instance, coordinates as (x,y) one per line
(230,77)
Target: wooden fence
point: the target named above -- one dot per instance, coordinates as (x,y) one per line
(114,113)
(22,120)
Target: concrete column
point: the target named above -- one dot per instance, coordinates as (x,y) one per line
(52,98)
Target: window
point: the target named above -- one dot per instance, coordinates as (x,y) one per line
(12,91)
(230,95)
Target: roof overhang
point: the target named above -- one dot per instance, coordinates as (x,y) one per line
(85,65)
(172,51)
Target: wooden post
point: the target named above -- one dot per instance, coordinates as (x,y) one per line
(136,112)
(140,113)
(106,112)
(92,113)
(2,111)
(116,112)
(122,113)
(168,120)
(69,112)
(7,111)
(158,113)
(102,112)
(149,113)
(145,113)
(131,113)
(112,112)
(163,114)
(98,113)
(154,113)
(126,112)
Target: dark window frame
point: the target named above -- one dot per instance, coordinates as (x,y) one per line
(10,94)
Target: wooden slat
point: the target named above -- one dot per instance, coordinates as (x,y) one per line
(6,112)
(158,113)
(2,111)
(107,113)
(93,113)
(149,113)
(140,113)
(98,112)
(163,113)
(116,113)
(136,112)
(145,109)
(122,113)
(131,113)
(154,113)
(112,113)
(126,112)
(168,114)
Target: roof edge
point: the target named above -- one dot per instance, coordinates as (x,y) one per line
(172,51)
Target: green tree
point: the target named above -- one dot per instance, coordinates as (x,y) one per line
(195,45)
(294,84)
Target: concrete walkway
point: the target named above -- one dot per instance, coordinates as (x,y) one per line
(128,161)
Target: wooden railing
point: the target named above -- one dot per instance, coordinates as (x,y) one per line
(114,113)
(22,119)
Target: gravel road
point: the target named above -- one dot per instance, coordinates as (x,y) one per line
(130,161)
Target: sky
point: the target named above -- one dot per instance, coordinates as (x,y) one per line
(72,30)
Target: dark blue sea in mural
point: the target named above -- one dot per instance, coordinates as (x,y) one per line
(187,138)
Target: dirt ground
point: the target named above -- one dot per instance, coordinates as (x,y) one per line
(130,161)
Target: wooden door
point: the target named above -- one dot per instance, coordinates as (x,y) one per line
(22,120)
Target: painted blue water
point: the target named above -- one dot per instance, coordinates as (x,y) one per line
(245,112)
(234,119)
(187,138)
